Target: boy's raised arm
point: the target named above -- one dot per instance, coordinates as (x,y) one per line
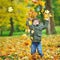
(46,23)
(29,24)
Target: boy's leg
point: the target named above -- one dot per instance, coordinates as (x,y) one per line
(39,48)
(33,48)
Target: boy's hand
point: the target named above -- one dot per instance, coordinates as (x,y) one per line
(47,15)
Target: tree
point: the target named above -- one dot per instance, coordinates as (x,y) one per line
(12,27)
(19,15)
(51,26)
(39,7)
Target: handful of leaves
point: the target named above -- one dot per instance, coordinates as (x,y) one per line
(47,15)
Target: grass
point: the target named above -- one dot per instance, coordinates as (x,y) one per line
(57,29)
(6,33)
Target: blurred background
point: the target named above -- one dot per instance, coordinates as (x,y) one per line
(14,13)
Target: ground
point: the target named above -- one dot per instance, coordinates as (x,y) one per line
(18,48)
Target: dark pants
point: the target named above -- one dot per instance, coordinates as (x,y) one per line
(38,46)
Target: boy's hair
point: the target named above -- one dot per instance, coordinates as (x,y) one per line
(35,19)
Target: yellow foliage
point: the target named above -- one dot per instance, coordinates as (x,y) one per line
(42,3)
(21,47)
(47,16)
(19,13)
(32,14)
(37,2)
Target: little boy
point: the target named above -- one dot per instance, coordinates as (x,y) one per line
(36,33)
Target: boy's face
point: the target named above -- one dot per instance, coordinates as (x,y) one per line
(35,22)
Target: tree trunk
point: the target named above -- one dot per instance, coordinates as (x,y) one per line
(51,26)
(12,27)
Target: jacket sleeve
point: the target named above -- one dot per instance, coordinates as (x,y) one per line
(45,25)
(27,24)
